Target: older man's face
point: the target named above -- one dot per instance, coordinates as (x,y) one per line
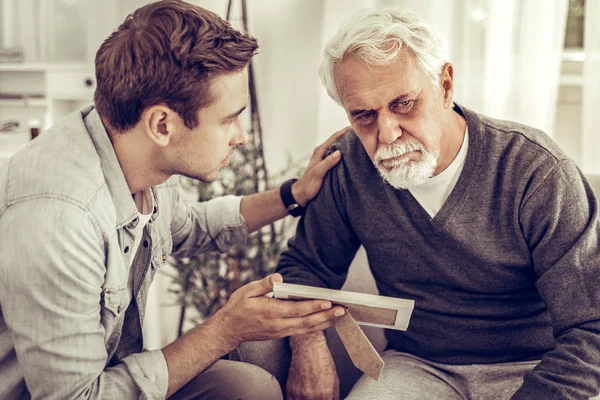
(398,115)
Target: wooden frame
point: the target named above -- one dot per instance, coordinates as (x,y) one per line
(367,309)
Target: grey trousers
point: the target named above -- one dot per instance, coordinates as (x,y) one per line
(404,376)
(408,377)
(231,380)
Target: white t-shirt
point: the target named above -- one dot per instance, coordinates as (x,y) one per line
(145,205)
(433,193)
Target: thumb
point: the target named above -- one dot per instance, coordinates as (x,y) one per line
(263,286)
(329,162)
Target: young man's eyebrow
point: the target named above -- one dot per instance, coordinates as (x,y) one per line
(235,114)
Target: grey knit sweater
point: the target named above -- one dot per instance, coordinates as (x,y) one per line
(507,270)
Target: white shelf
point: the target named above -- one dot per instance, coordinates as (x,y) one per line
(73,97)
(41,67)
(571,80)
(35,102)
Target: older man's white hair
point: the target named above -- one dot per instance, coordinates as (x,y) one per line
(377,35)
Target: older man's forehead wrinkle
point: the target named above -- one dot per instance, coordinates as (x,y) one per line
(363,89)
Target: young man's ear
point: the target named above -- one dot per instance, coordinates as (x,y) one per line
(159,124)
(447,84)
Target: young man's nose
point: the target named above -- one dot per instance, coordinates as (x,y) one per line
(241,136)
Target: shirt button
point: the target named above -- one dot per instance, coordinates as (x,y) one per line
(118,309)
(164,257)
(126,249)
(145,243)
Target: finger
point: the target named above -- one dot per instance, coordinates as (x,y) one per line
(306,324)
(261,287)
(322,149)
(336,136)
(321,327)
(329,162)
(286,308)
(305,331)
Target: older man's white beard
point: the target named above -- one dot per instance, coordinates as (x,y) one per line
(406,174)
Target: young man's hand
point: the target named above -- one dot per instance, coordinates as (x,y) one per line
(308,186)
(250,315)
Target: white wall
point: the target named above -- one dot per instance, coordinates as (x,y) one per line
(286,73)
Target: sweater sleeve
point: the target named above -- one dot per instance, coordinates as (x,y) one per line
(559,218)
(325,243)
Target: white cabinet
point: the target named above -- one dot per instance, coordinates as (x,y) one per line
(41,93)
(59,39)
(70,82)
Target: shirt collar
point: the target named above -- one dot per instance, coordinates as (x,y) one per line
(126,211)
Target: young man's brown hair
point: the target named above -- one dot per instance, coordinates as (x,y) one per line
(166,53)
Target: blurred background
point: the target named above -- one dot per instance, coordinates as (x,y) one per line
(532,61)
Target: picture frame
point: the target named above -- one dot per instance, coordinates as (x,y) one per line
(366,309)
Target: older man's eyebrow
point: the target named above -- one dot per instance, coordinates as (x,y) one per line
(354,113)
(401,98)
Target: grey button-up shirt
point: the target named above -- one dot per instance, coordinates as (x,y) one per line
(67,329)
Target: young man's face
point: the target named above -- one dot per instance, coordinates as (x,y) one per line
(397,114)
(206,149)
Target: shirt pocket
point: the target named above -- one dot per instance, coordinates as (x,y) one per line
(113,299)
(161,252)
(114,304)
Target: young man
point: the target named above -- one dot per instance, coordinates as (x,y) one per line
(88,215)
(486,224)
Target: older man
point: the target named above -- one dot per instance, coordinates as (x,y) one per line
(486,224)
(88,215)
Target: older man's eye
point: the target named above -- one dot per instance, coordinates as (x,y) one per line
(365,116)
(403,106)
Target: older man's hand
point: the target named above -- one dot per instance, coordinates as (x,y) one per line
(312,374)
